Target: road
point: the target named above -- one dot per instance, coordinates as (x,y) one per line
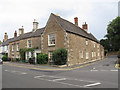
(101,74)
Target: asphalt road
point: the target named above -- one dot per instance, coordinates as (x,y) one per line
(101,74)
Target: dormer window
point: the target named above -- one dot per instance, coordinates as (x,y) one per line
(51,39)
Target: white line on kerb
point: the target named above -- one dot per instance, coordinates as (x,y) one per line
(94,84)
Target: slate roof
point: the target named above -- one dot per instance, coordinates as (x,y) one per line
(37,33)
(72,28)
(7,42)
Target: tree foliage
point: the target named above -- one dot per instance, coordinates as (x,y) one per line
(112,41)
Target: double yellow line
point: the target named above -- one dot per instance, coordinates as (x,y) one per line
(46,69)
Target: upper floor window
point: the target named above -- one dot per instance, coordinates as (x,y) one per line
(86,42)
(51,39)
(94,45)
(29,43)
(12,47)
(17,46)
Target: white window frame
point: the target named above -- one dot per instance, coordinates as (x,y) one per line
(28,44)
(17,46)
(81,54)
(92,54)
(12,47)
(87,55)
(86,42)
(50,56)
(50,42)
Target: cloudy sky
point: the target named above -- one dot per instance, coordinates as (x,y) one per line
(17,13)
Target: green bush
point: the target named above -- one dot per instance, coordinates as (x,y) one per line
(4,58)
(42,58)
(119,53)
(60,56)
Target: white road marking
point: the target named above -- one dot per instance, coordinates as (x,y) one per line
(59,79)
(6,70)
(94,84)
(39,76)
(23,73)
(71,84)
(93,70)
(113,70)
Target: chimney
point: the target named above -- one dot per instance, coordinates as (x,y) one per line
(76,21)
(21,31)
(35,25)
(5,37)
(85,27)
(15,34)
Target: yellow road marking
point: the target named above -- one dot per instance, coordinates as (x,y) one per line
(117,66)
(50,69)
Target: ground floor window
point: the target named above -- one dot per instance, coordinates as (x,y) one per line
(50,56)
(87,55)
(81,54)
(29,55)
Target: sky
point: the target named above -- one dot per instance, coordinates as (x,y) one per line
(17,13)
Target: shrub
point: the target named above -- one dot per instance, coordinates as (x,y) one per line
(119,53)
(42,58)
(60,56)
(31,60)
(4,58)
(17,59)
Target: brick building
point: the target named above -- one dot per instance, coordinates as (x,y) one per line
(58,33)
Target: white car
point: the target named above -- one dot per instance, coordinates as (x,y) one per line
(1,61)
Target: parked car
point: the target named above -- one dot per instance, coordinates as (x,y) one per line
(1,61)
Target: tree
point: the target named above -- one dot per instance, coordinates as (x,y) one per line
(0,42)
(112,43)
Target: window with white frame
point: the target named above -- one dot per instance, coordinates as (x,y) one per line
(87,55)
(12,47)
(86,42)
(29,43)
(51,39)
(17,46)
(81,54)
(3,48)
(98,52)
(7,47)
(94,44)
(92,54)
(50,56)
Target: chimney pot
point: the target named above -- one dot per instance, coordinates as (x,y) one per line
(21,31)
(35,25)
(76,21)
(85,27)
(15,34)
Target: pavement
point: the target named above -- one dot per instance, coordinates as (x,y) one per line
(100,74)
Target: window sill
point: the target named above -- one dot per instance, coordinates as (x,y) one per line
(50,45)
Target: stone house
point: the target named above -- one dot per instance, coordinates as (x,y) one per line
(81,45)
(4,47)
(58,33)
